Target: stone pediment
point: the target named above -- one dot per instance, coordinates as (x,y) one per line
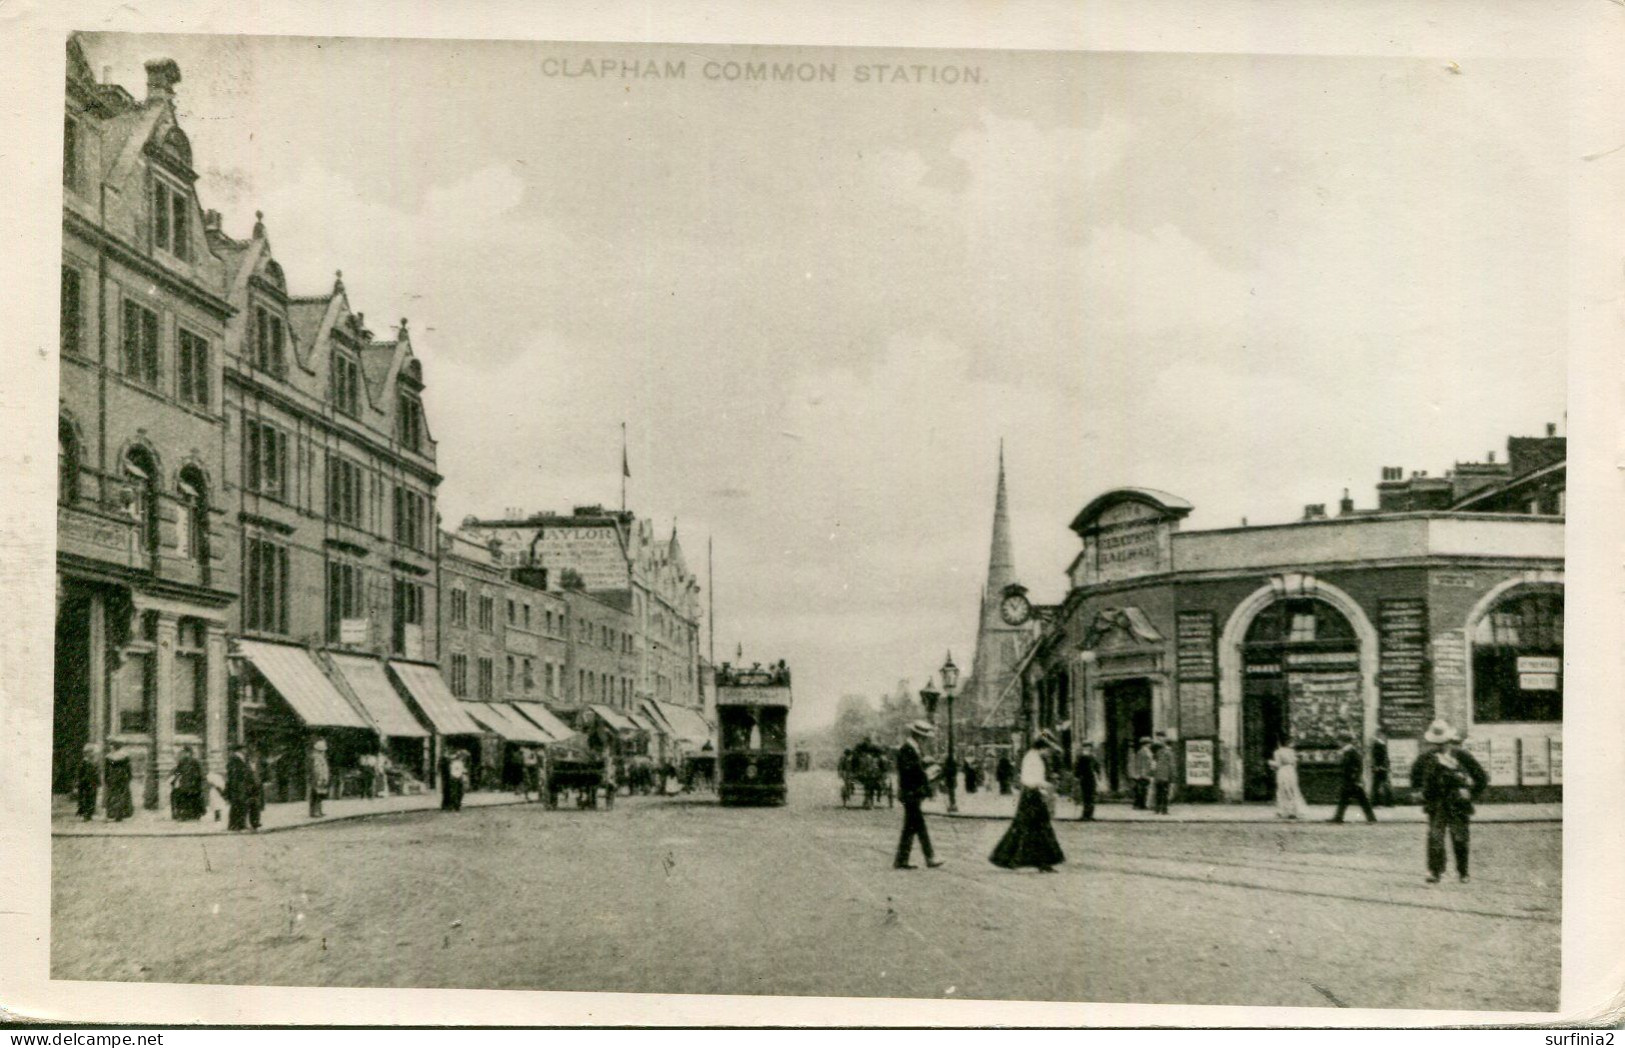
(1122,629)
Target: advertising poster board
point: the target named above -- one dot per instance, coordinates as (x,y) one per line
(1536,763)
(1199,770)
(1503,765)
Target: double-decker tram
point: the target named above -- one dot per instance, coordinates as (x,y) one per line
(753,715)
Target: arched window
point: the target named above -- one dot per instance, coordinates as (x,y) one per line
(140,474)
(1518,659)
(192,524)
(67,463)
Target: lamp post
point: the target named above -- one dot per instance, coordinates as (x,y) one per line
(950,679)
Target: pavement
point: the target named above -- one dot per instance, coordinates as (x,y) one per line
(980,805)
(678,895)
(985,805)
(293,815)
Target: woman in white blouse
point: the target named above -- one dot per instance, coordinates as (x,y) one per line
(1288,797)
(1030,841)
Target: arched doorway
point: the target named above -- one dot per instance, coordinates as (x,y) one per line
(1301,675)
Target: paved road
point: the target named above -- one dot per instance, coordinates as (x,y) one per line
(684,897)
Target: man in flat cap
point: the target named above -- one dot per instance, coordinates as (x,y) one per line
(913,784)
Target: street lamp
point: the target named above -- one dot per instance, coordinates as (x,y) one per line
(950,680)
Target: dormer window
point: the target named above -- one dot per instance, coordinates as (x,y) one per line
(169,225)
(346,385)
(268,338)
(409,421)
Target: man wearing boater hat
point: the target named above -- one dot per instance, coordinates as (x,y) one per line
(912,786)
(1449,780)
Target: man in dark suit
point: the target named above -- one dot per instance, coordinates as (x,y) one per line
(242,791)
(913,785)
(1351,765)
(1449,780)
(1382,792)
(1085,770)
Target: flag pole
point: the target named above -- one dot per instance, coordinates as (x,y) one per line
(711,594)
(626,469)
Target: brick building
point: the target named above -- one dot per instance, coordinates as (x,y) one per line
(1228,638)
(617,558)
(331,470)
(147,557)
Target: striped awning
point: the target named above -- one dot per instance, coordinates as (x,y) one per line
(615,718)
(508,723)
(689,724)
(302,684)
(545,719)
(428,689)
(379,700)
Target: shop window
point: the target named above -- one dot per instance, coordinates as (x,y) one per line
(1518,660)
(135,693)
(190,682)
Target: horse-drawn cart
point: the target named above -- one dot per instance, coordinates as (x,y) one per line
(584,775)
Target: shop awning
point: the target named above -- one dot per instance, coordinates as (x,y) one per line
(615,718)
(689,724)
(544,719)
(647,709)
(646,722)
(428,689)
(379,700)
(302,684)
(510,724)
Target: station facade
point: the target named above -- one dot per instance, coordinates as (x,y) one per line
(1367,622)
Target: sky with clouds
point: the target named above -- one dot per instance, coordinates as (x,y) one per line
(1249,280)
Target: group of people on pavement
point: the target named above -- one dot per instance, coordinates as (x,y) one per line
(1152,769)
(1447,779)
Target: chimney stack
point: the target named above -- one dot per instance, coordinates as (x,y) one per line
(1315,511)
(162,76)
(1346,506)
(211,221)
(1551,429)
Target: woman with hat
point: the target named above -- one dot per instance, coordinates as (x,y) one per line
(88,782)
(1288,795)
(120,805)
(1030,841)
(1449,780)
(321,777)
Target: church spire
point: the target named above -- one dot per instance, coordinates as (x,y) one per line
(1001,561)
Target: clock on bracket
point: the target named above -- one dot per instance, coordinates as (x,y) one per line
(1015,609)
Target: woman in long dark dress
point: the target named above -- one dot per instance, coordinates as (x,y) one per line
(89,783)
(187,798)
(1030,841)
(120,805)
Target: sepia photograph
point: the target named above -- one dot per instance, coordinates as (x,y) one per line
(810,521)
